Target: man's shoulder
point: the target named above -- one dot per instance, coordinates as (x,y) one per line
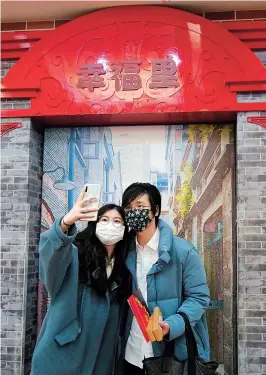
(182,243)
(179,244)
(182,247)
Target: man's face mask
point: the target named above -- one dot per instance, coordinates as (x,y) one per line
(138,220)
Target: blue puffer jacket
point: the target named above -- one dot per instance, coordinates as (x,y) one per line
(177,282)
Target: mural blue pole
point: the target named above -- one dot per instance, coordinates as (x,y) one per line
(71,166)
(106,181)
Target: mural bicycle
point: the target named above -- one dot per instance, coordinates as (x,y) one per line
(192,166)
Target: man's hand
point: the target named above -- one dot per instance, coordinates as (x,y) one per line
(165,328)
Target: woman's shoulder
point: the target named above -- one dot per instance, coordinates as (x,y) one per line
(55,237)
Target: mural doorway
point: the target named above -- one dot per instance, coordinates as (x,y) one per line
(192,166)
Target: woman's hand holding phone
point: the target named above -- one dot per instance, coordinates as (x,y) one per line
(79,211)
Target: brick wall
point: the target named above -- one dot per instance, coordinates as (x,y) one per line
(31,25)
(5,67)
(34,202)
(251,227)
(262,56)
(21,165)
(213,16)
(235,15)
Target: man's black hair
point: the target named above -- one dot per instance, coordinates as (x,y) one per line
(140,188)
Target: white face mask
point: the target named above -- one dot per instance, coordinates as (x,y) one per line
(109,234)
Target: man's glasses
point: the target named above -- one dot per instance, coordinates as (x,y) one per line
(137,208)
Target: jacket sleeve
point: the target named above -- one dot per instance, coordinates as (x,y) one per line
(195,293)
(55,250)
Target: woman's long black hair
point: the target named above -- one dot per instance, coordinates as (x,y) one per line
(92,257)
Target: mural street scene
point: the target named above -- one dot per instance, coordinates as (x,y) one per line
(191,165)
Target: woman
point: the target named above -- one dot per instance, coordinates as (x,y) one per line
(88,284)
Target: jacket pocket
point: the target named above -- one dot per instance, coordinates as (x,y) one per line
(68,334)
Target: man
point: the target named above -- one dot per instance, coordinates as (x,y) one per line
(169,273)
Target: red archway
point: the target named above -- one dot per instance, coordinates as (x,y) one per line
(157,63)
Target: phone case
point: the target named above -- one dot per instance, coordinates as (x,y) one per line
(93,190)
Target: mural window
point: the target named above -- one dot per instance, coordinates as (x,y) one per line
(199,189)
(217,152)
(207,173)
(90,150)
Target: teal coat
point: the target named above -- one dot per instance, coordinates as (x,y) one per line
(177,282)
(74,326)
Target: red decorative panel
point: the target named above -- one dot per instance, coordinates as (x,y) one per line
(15,44)
(251,33)
(134,60)
(258,120)
(7,127)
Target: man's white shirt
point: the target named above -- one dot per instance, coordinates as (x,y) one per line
(137,348)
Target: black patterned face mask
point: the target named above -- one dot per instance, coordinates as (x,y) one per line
(138,220)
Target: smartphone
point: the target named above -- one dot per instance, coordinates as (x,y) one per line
(93,190)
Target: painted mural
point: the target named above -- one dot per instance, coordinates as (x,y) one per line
(192,166)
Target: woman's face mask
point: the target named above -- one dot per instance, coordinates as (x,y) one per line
(138,219)
(109,234)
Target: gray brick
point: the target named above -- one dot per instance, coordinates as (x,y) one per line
(251,162)
(253,230)
(252,170)
(252,214)
(252,142)
(17,172)
(252,149)
(251,209)
(262,56)
(21,145)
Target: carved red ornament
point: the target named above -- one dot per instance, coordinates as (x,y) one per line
(7,127)
(258,120)
(212,66)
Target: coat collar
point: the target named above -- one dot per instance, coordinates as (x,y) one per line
(165,245)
